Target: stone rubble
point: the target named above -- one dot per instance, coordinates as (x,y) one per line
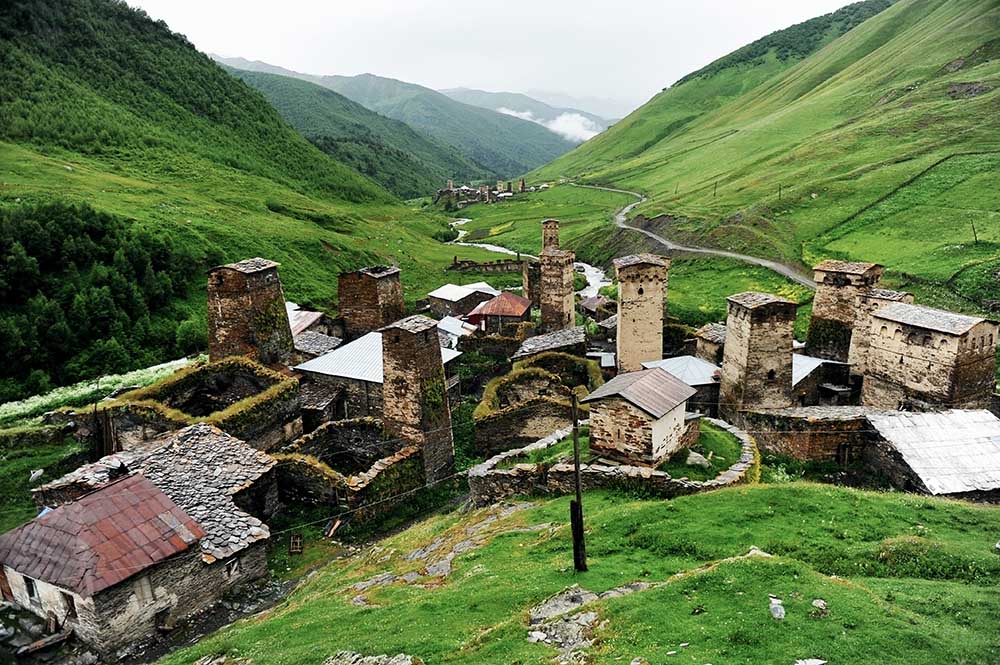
(352,658)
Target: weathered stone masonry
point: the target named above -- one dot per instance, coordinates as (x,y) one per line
(642,298)
(415,399)
(757,360)
(369,299)
(246,313)
(556,290)
(838,285)
(866,304)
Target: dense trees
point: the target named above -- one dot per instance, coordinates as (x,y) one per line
(85,293)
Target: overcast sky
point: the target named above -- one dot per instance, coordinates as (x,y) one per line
(625,50)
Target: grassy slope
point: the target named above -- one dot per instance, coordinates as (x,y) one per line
(698,287)
(146,127)
(915,581)
(838,130)
(507,145)
(390,152)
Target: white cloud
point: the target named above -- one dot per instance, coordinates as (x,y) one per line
(570,126)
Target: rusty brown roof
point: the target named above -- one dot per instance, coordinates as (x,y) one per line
(101,539)
(655,391)
(505,304)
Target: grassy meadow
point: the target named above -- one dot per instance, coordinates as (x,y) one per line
(908,580)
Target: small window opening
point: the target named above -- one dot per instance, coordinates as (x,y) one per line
(31,588)
(232,568)
(70,603)
(771,375)
(641,291)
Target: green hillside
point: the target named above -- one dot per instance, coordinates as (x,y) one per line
(505,144)
(388,151)
(137,144)
(904,580)
(882,135)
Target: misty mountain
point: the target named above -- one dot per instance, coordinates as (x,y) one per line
(570,123)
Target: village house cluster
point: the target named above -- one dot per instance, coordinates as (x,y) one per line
(353,412)
(464,195)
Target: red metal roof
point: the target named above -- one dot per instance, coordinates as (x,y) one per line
(101,539)
(505,304)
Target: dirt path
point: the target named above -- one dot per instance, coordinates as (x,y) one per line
(621,221)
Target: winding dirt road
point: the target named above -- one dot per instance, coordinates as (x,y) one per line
(621,221)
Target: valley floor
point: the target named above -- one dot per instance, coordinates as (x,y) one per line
(863,576)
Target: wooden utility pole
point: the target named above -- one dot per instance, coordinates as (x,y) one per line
(715,190)
(975,236)
(576,507)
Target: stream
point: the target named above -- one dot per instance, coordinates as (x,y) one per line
(596,278)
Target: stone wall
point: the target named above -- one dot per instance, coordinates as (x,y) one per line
(866,304)
(757,362)
(369,299)
(915,368)
(246,313)
(520,424)
(837,434)
(356,399)
(642,299)
(386,484)
(348,446)
(500,266)
(489,484)
(441,307)
(531,282)
(556,291)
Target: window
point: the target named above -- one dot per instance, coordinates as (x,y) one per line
(31,588)
(143,590)
(232,568)
(771,374)
(641,291)
(70,604)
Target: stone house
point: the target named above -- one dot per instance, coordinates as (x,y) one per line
(642,301)
(159,534)
(246,313)
(866,304)
(572,341)
(757,358)
(701,375)
(920,358)
(819,381)
(312,344)
(639,417)
(507,308)
(838,285)
(597,307)
(305,320)
(451,329)
(352,375)
(455,300)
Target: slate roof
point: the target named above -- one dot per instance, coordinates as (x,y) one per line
(360,360)
(849,267)
(379,271)
(300,319)
(928,318)
(101,539)
(950,451)
(609,323)
(316,343)
(887,294)
(414,323)
(639,259)
(200,468)
(689,369)
(250,265)
(712,332)
(505,304)
(594,303)
(754,299)
(655,391)
(552,341)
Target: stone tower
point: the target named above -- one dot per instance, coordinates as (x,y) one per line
(642,297)
(757,360)
(246,313)
(865,305)
(556,289)
(550,234)
(369,299)
(838,284)
(414,393)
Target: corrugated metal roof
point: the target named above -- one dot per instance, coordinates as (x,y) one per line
(455,326)
(803,366)
(689,369)
(950,451)
(655,391)
(455,292)
(360,360)
(929,318)
(299,319)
